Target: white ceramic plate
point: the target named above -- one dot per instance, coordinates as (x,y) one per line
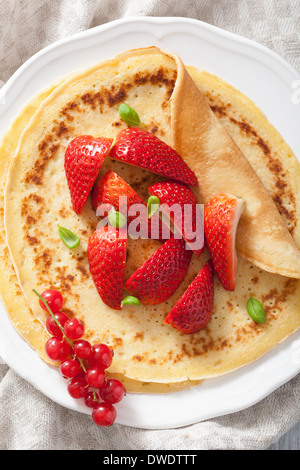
(262,76)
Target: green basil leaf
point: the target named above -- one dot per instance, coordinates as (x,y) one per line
(69,238)
(256,310)
(130,300)
(129,115)
(152,205)
(116,219)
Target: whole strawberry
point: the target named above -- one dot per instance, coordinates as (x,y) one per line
(221,216)
(193,310)
(160,276)
(107,256)
(179,203)
(141,148)
(83,160)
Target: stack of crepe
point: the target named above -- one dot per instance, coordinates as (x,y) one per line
(230,145)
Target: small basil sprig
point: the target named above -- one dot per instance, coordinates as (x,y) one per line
(256,310)
(116,219)
(69,238)
(130,300)
(129,115)
(152,205)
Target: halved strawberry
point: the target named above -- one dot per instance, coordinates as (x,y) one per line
(221,216)
(83,160)
(107,256)
(141,148)
(112,190)
(179,203)
(193,310)
(160,276)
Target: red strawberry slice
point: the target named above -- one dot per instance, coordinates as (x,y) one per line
(221,216)
(83,159)
(107,256)
(112,190)
(179,203)
(159,277)
(193,310)
(141,148)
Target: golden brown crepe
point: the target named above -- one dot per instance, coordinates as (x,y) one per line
(37,198)
(207,147)
(22,317)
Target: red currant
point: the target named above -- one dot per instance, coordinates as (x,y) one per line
(82,348)
(80,374)
(52,326)
(95,377)
(54,300)
(113,391)
(77,387)
(101,355)
(57,349)
(91,399)
(74,328)
(69,368)
(104,414)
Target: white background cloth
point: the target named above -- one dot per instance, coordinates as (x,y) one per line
(30,421)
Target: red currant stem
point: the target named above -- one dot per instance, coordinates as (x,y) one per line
(81,363)
(51,313)
(59,325)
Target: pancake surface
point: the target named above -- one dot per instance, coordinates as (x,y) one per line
(37,199)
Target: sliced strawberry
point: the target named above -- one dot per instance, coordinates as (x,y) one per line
(107,256)
(159,277)
(221,216)
(83,159)
(143,149)
(179,203)
(193,310)
(112,190)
